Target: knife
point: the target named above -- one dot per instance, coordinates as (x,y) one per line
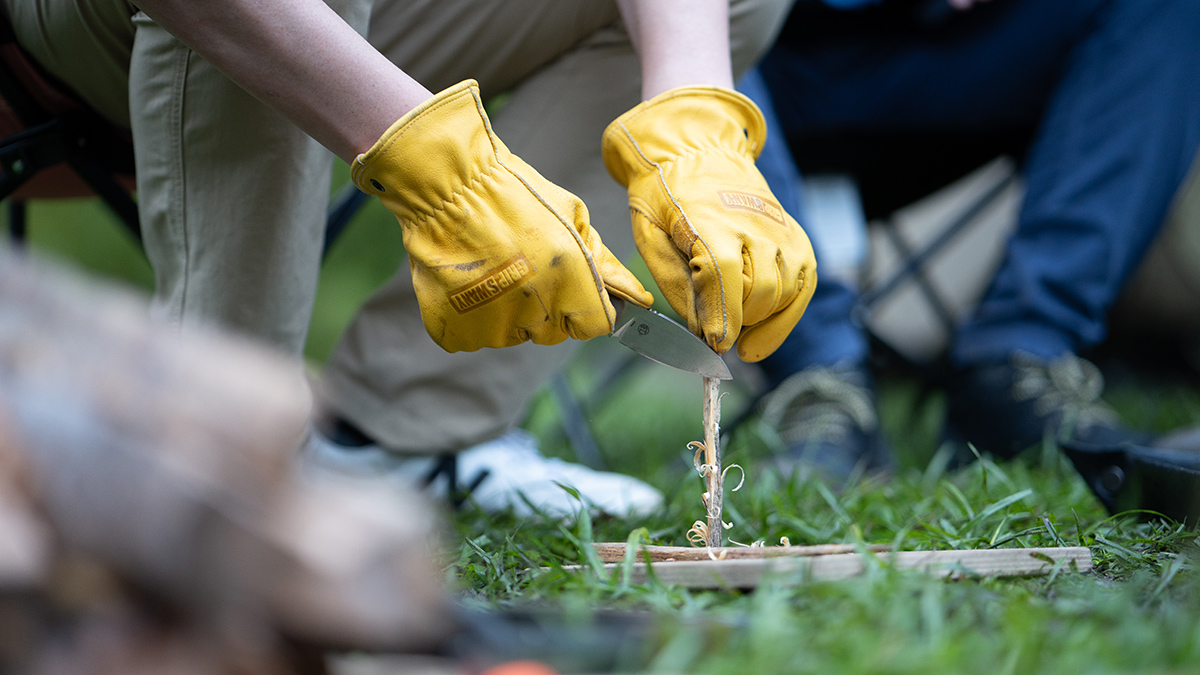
(660,339)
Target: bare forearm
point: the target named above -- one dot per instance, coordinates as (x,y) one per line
(300,58)
(679,42)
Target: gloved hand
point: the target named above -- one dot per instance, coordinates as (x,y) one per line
(725,255)
(499,255)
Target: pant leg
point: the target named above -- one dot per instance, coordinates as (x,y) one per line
(992,68)
(571,70)
(826,335)
(833,73)
(85,44)
(1117,141)
(1107,85)
(232,196)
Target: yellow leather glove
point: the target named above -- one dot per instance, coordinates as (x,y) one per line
(499,255)
(725,255)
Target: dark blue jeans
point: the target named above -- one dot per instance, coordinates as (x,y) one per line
(1110,90)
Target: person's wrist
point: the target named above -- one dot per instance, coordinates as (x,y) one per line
(412,124)
(686,74)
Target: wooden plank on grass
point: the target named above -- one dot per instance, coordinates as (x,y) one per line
(615,551)
(750,572)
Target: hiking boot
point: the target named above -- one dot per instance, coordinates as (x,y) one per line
(827,422)
(505,473)
(1005,408)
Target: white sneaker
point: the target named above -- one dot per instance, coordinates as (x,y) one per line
(514,475)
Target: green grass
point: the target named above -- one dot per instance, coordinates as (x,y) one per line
(1138,612)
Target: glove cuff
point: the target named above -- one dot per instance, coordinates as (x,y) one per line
(681,120)
(448,137)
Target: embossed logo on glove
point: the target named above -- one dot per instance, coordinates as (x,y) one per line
(491,285)
(749,202)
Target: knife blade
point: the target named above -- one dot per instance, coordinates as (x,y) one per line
(660,339)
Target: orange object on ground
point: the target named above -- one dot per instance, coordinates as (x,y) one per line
(520,668)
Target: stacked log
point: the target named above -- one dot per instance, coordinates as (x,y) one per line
(152,516)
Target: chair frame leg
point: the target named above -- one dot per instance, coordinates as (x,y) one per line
(17,227)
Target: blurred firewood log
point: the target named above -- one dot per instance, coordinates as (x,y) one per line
(168,459)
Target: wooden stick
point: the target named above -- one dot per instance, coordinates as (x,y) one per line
(712,457)
(615,551)
(749,573)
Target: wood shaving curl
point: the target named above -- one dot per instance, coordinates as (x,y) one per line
(701,468)
(739,468)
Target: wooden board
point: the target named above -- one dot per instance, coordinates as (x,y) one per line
(750,572)
(615,552)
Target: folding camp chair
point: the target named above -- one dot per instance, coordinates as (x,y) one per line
(928,199)
(52,145)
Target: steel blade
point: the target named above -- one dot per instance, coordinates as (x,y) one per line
(660,339)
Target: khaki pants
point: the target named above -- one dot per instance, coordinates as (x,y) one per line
(231,196)
(571,70)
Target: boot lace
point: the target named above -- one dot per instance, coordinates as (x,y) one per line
(819,404)
(1068,386)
